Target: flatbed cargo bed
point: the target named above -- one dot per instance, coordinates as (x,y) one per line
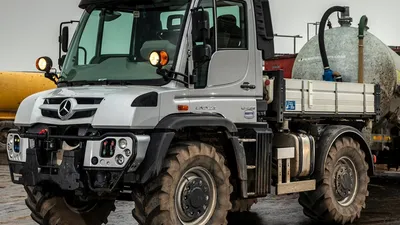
(319,99)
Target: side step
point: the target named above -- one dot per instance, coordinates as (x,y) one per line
(288,187)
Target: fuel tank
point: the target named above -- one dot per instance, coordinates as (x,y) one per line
(15,87)
(381,64)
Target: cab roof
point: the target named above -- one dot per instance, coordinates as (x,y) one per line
(85,4)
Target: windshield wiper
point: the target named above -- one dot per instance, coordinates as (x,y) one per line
(166,75)
(96,82)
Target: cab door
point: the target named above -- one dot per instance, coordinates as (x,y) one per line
(226,84)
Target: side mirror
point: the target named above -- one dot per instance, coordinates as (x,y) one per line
(64,39)
(201,53)
(200,26)
(264,29)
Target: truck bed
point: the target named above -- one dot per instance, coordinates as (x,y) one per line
(312,98)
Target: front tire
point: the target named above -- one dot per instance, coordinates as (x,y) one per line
(55,210)
(5,126)
(341,192)
(193,189)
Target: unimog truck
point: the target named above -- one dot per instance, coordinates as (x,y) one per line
(165,103)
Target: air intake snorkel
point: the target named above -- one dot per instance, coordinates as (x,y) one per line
(344,20)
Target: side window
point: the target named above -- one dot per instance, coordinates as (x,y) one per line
(117,35)
(231,25)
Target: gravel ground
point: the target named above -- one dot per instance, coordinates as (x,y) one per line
(383,206)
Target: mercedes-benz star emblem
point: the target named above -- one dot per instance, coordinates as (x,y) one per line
(65,111)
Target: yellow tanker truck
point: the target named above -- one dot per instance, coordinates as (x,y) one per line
(15,87)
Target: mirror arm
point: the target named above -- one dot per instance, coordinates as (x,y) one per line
(164,73)
(51,76)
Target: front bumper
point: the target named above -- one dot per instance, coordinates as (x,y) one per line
(66,176)
(76,169)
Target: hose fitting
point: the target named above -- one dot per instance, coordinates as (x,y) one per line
(345,19)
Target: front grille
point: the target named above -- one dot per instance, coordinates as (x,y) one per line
(80,101)
(84,108)
(77,115)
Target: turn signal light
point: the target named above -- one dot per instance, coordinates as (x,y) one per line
(183,107)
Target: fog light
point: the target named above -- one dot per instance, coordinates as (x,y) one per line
(120,159)
(127,152)
(122,143)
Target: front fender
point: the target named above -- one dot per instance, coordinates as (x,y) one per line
(164,133)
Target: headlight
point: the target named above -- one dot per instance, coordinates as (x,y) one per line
(15,147)
(158,58)
(111,152)
(122,143)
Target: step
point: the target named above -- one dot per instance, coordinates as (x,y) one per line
(247,140)
(295,187)
(251,167)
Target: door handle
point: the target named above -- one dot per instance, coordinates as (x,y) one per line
(247,86)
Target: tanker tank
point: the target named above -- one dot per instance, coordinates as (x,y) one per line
(381,64)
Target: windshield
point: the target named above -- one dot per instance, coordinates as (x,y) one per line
(114,44)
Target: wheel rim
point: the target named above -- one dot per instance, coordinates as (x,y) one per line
(345,181)
(195,197)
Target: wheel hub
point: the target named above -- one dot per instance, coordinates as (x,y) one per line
(345,181)
(195,198)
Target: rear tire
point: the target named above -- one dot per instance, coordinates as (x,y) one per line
(192,173)
(341,192)
(55,211)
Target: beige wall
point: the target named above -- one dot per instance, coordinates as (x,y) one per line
(29,29)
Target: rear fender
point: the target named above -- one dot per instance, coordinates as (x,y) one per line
(329,135)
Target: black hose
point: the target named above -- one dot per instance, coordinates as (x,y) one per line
(321,34)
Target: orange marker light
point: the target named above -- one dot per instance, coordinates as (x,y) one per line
(163,58)
(183,107)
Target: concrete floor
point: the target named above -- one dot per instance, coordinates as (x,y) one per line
(383,206)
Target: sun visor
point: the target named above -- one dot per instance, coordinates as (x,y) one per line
(85,4)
